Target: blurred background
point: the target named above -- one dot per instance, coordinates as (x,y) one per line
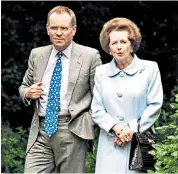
(23,27)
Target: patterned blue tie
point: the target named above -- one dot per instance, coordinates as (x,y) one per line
(53,106)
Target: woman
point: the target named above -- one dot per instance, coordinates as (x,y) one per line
(127,95)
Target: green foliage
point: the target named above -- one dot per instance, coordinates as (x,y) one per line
(13,145)
(91,156)
(91,159)
(166,151)
(167,110)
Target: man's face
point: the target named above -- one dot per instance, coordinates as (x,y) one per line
(60,30)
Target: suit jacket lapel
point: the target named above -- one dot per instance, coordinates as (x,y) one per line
(42,62)
(74,69)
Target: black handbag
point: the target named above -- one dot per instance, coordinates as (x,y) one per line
(141,144)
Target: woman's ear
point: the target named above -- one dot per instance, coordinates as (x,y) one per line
(132,48)
(110,52)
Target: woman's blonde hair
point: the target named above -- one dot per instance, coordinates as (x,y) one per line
(120,24)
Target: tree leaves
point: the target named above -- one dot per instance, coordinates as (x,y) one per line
(166,153)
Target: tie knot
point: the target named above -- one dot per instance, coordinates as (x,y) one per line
(59,54)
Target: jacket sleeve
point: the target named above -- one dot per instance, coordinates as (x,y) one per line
(99,114)
(96,61)
(27,80)
(154,100)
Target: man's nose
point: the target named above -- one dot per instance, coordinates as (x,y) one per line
(59,32)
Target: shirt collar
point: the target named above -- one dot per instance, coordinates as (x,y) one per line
(130,69)
(67,52)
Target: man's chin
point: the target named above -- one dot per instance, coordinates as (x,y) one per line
(60,47)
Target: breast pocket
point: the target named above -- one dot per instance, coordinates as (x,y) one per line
(83,76)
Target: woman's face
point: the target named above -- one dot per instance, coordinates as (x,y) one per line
(120,46)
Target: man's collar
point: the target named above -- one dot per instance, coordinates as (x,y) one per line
(67,52)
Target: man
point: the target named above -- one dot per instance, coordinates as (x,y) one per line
(60,80)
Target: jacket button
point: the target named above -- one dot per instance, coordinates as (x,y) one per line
(121,118)
(119,95)
(121,74)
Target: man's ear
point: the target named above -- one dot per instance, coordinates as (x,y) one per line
(47,28)
(74,29)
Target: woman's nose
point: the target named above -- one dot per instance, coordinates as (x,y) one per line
(119,46)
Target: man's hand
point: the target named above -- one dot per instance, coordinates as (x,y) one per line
(34,91)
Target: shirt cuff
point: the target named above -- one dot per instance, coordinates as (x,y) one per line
(27,101)
(110,131)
